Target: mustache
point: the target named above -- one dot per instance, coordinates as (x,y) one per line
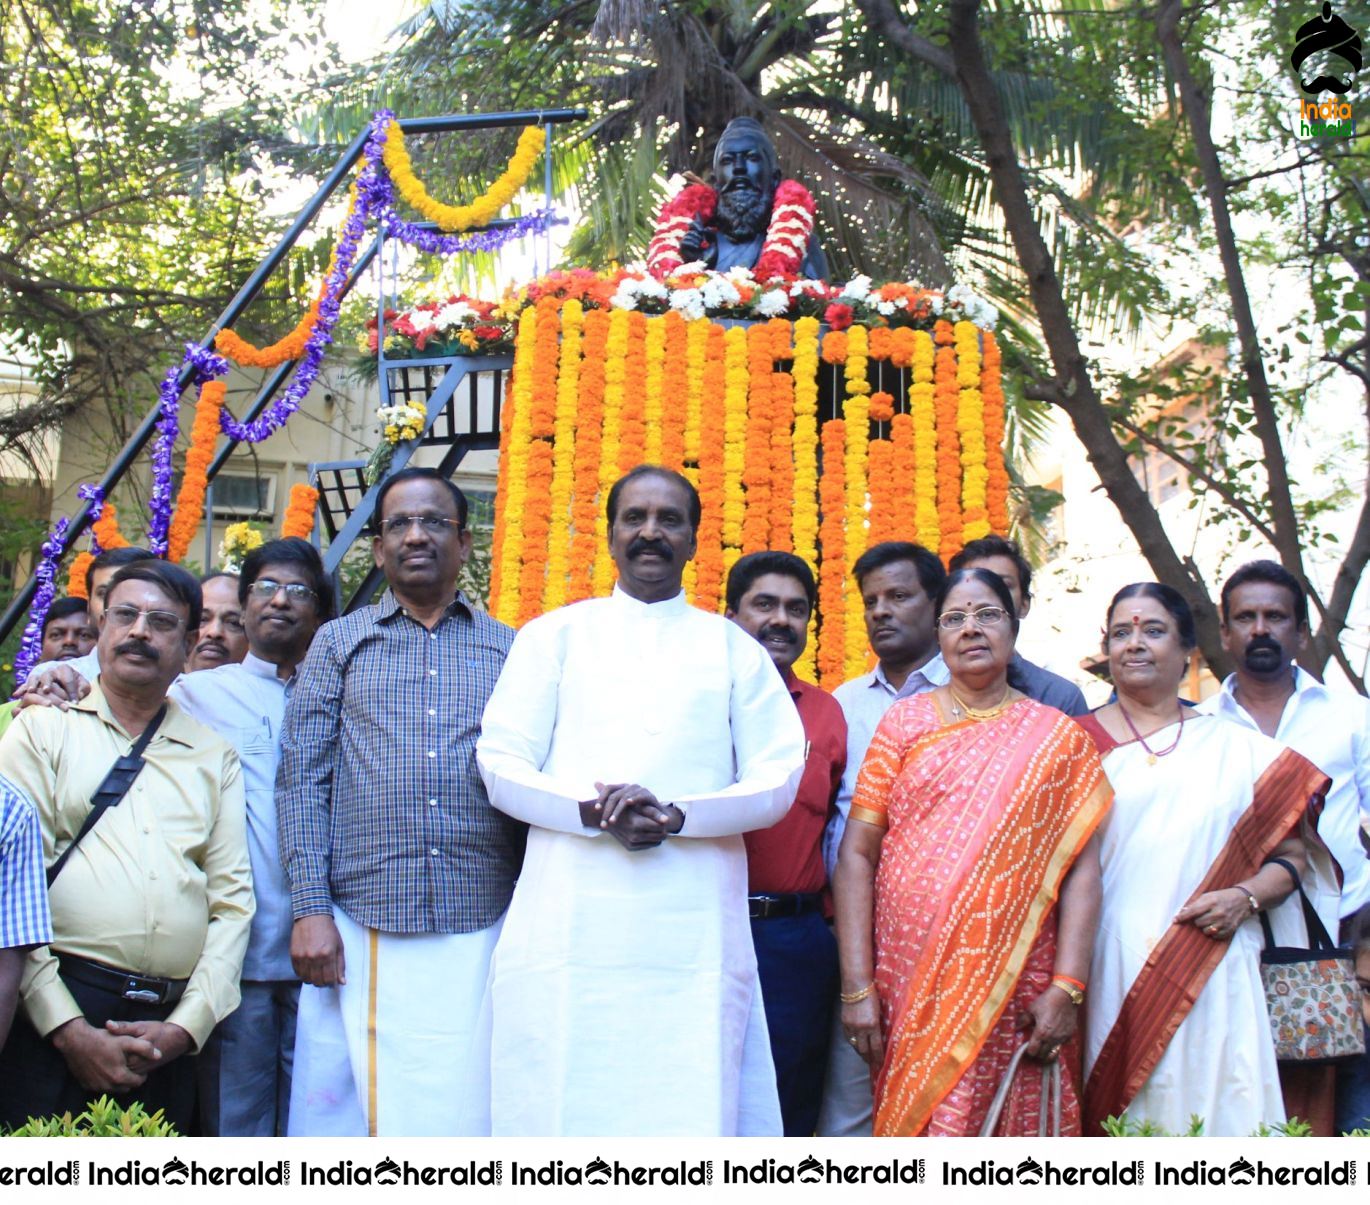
(211,642)
(141,648)
(641,545)
(775,630)
(1264,644)
(1328,83)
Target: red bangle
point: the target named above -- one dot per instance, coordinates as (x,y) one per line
(1073,982)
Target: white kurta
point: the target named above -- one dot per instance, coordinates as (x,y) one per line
(1167,825)
(624,995)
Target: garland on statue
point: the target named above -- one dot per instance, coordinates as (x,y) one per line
(782,251)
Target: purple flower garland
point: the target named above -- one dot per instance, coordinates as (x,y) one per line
(93,494)
(31,644)
(375,198)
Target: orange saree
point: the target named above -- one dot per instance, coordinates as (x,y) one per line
(984,820)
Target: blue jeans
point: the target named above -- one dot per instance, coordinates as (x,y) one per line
(796,957)
(1353,1092)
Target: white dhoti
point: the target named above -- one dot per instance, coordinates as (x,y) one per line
(402,1049)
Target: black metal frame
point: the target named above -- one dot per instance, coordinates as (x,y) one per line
(253,286)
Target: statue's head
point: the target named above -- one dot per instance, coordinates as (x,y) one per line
(746,171)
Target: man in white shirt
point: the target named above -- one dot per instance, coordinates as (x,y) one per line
(897,581)
(639,738)
(1264,627)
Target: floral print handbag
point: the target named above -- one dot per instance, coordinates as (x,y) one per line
(1312,996)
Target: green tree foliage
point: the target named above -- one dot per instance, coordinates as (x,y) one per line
(138,152)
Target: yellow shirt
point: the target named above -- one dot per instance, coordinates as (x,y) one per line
(161,885)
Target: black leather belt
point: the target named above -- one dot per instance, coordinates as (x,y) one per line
(144,989)
(767,907)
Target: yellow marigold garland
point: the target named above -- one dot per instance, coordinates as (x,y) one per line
(696,349)
(484,208)
(633,449)
(856,412)
(804,513)
(615,356)
(970,427)
(922,433)
(563,457)
(190,500)
(734,442)
(510,550)
(756,470)
(298,520)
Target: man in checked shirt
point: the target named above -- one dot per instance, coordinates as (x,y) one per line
(400,870)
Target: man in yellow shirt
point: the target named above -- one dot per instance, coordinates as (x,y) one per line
(151,911)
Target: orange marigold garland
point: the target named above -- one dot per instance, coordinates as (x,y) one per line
(298,520)
(633,450)
(653,406)
(992,393)
(756,472)
(832,574)
(563,458)
(589,442)
(947,399)
(884,507)
(106,529)
(536,523)
(76,575)
(713,477)
(190,501)
(902,480)
(782,462)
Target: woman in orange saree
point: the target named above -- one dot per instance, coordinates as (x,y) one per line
(967,886)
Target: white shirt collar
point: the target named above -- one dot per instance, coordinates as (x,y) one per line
(667,606)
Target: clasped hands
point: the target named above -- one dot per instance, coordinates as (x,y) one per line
(632,815)
(120,1056)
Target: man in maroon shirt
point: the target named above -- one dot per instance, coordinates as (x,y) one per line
(771,596)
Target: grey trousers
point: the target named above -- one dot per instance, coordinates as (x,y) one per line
(246,1064)
(847,1110)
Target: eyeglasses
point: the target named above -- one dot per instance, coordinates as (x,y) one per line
(434,525)
(297,592)
(161,622)
(986,617)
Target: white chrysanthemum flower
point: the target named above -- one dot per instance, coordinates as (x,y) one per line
(689,302)
(936,305)
(623,298)
(693,268)
(772,303)
(885,307)
(857,288)
(720,291)
(649,286)
(420,320)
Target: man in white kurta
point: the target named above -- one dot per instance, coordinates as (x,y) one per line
(624,996)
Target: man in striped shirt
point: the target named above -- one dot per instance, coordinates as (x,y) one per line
(24,918)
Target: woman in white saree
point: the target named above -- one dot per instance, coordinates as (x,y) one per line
(1177,1023)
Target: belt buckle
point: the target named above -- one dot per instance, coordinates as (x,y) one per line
(140,995)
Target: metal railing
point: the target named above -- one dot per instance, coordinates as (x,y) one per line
(250,289)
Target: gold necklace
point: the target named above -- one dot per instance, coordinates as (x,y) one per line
(959,706)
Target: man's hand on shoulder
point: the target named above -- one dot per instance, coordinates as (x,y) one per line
(316,951)
(103,1061)
(168,1042)
(60,686)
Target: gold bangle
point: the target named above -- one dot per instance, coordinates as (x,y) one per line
(1067,985)
(857,997)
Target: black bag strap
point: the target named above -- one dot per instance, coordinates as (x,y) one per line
(114,787)
(1317,932)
